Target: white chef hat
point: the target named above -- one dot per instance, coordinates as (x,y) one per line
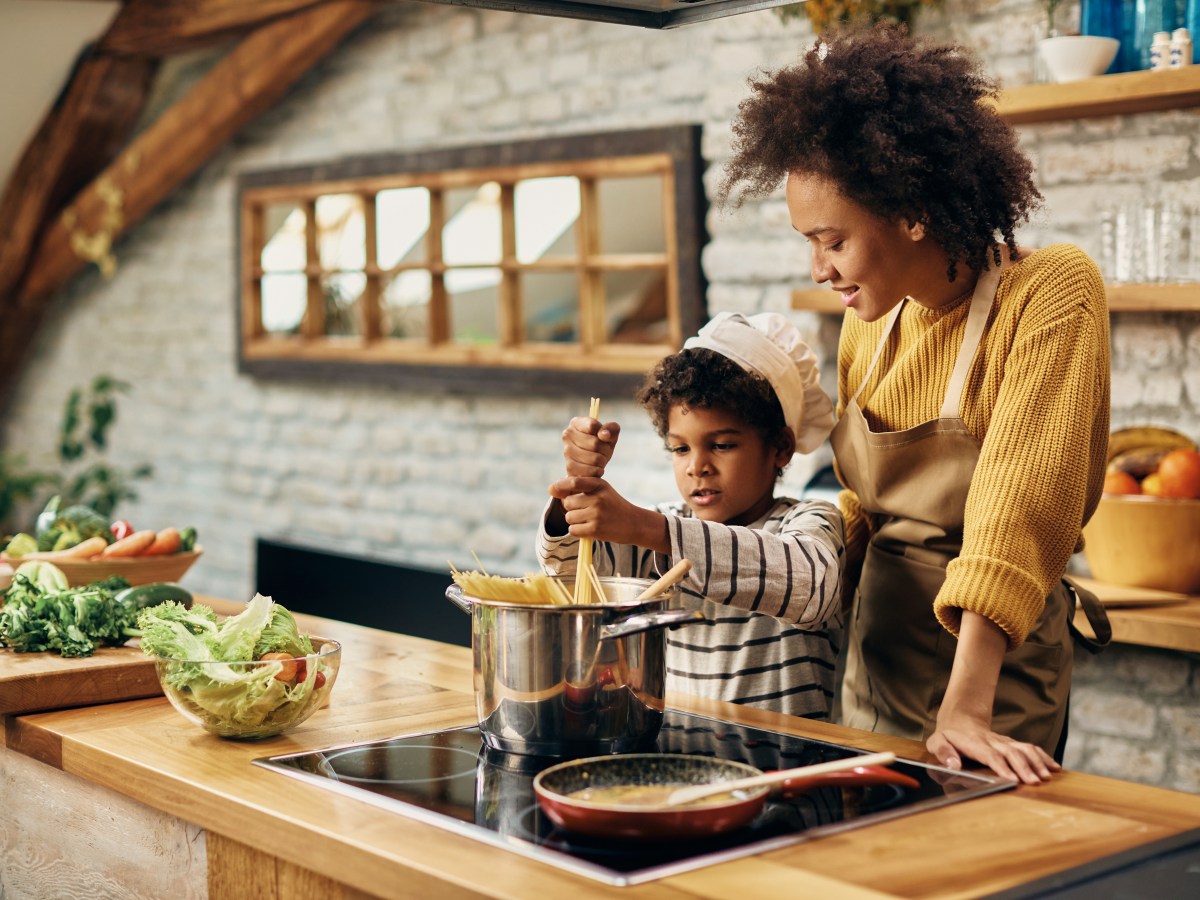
(768,345)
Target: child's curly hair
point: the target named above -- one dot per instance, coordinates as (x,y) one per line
(903,127)
(704,379)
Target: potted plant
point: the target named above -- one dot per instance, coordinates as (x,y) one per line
(827,14)
(84,477)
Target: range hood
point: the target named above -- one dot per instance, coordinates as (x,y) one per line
(646,13)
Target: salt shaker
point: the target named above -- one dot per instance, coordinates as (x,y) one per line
(1181,48)
(1160,51)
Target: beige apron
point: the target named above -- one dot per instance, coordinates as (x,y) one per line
(898,654)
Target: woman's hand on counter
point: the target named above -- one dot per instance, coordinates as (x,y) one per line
(960,735)
(964,721)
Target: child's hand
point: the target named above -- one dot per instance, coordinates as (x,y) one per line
(592,508)
(588,446)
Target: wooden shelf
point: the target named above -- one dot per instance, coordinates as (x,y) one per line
(1175,297)
(1106,95)
(1180,297)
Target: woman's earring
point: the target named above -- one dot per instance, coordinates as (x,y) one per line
(779,473)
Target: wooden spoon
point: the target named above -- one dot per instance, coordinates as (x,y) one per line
(697,792)
(672,575)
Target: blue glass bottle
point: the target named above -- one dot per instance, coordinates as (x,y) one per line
(1191,21)
(1152,16)
(1114,19)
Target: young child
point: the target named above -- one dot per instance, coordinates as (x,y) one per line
(733,408)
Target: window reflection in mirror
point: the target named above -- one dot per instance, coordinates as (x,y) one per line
(474,298)
(405,305)
(550,306)
(283,238)
(401,226)
(546,211)
(341,231)
(284,300)
(471,235)
(342,293)
(631,214)
(635,306)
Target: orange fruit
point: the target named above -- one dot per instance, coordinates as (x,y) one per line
(1118,482)
(1152,485)
(1179,473)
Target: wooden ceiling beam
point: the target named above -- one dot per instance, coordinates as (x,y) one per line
(165,27)
(247,82)
(89,123)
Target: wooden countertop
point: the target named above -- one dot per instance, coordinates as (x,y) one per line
(393,684)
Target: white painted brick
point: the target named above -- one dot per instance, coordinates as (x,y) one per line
(1183,721)
(1126,760)
(731,260)
(1157,673)
(1114,160)
(1184,772)
(734,298)
(1118,716)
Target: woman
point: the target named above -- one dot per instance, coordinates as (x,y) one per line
(973,380)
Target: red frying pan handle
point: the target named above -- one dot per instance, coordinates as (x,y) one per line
(863,776)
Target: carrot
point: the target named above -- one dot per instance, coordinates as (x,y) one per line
(166,541)
(83,550)
(134,545)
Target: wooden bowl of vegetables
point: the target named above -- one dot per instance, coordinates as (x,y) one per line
(134,569)
(139,556)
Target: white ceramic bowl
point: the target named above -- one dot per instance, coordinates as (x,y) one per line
(1076,56)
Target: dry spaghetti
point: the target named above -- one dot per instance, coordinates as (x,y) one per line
(585,577)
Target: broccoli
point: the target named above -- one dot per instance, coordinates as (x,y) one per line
(58,530)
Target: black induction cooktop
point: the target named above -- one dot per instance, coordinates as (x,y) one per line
(452,780)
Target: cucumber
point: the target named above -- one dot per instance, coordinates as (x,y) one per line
(143,595)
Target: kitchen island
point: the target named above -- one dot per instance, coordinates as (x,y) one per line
(190,815)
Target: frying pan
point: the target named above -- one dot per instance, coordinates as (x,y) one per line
(555,786)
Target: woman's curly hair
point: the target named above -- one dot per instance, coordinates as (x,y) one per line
(705,379)
(903,126)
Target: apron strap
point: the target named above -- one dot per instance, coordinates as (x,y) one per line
(887,330)
(1096,616)
(977,315)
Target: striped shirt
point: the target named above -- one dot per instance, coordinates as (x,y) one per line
(771,593)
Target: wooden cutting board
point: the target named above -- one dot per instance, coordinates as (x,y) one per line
(1116,595)
(35,682)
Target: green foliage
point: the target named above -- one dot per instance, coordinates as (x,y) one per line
(85,477)
(38,616)
(828,14)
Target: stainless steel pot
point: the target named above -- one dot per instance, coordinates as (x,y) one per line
(569,681)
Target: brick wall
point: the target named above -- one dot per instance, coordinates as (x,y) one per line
(394,475)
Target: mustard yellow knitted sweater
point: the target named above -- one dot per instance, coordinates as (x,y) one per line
(1038,400)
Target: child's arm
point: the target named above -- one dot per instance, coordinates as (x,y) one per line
(790,569)
(592,508)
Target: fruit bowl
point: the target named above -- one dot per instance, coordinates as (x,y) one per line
(134,569)
(251,700)
(1142,541)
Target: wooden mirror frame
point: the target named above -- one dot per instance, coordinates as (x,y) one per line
(593,365)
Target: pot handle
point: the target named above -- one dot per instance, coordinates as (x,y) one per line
(646,621)
(455,595)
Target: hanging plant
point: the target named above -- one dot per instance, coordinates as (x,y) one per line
(828,14)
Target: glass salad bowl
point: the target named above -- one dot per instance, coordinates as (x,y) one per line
(251,700)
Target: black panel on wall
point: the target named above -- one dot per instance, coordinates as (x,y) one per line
(363,591)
